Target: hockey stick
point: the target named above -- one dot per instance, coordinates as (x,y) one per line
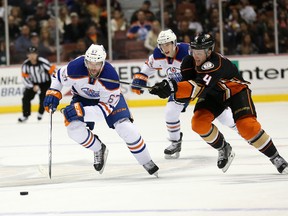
(50,144)
(123,82)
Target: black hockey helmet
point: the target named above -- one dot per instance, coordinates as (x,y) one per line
(203,41)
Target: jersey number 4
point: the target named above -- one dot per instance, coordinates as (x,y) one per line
(207,79)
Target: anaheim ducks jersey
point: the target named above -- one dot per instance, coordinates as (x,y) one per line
(76,76)
(171,66)
(218,77)
(188,70)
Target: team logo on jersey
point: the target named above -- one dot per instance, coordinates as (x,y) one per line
(207,65)
(91,93)
(174,73)
(173,70)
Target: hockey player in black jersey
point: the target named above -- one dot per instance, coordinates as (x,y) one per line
(167,57)
(218,84)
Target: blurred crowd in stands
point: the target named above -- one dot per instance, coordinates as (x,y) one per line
(248,26)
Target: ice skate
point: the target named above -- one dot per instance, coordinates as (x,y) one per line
(173,151)
(22,119)
(280,164)
(151,168)
(100,158)
(225,157)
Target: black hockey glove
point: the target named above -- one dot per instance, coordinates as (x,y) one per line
(164,89)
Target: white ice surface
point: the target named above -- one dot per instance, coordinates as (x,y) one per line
(191,185)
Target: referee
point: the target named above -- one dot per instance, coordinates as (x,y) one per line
(36,75)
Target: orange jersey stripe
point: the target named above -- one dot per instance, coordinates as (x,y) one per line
(106,107)
(235,87)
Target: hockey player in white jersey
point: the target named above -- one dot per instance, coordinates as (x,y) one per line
(95,100)
(168,56)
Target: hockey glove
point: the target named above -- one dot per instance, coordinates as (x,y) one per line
(73,112)
(51,100)
(164,89)
(139,79)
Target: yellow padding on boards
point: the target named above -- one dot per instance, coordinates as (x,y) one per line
(162,102)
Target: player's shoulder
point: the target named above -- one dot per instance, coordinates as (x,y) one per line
(109,72)
(182,50)
(157,54)
(183,46)
(187,62)
(188,68)
(213,64)
(76,68)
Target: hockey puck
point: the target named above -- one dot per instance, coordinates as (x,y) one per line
(24,193)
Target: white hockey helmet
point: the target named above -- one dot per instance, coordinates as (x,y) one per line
(166,36)
(95,54)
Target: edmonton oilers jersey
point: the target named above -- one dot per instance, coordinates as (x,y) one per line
(76,76)
(171,66)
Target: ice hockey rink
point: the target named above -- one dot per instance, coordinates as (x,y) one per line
(190,185)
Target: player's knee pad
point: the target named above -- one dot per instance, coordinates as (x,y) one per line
(126,130)
(248,127)
(202,121)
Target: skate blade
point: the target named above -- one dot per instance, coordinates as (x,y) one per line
(156,174)
(105,158)
(285,171)
(230,159)
(172,156)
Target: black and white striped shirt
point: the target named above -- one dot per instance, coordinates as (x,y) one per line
(38,73)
